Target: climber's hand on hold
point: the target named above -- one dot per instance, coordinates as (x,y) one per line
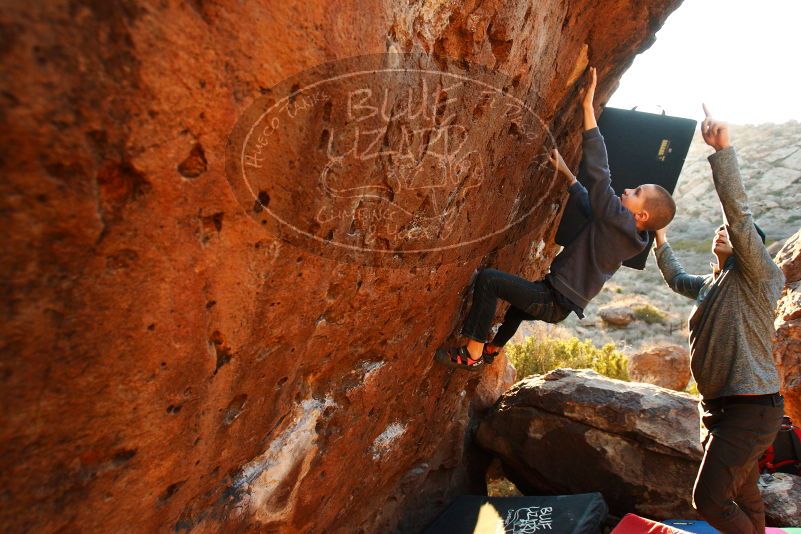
(558,163)
(587,101)
(589,91)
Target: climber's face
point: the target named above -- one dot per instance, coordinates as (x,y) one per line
(721,246)
(634,199)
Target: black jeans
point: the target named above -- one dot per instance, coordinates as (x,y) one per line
(529,301)
(725,491)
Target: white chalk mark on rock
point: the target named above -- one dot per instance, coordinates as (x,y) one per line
(383,443)
(371,367)
(284,463)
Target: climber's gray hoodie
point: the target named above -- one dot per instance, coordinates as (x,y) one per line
(731,325)
(583,267)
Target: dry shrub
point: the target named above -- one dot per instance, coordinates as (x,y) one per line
(648,313)
(548,350)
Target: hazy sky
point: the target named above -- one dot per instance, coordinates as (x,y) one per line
(743,58)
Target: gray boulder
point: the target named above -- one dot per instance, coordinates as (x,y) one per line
(782,495)
(575,431)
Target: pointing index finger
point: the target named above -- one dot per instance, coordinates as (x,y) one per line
(706,110)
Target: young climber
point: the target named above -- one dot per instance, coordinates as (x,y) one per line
(617,230)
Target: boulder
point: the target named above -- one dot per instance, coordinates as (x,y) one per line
(666,366)
(787,348)
(575,431)
(179,351)
(619,316)
(787,340)
(789,258)
(782,495)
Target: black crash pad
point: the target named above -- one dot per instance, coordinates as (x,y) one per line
(643,148)
(564,514)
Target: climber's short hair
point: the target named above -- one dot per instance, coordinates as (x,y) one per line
(661,208)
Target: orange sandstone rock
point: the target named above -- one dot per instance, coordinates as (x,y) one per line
(667,366)
(170,362)
(787,341)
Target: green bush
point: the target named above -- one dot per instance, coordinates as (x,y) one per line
(649,314)
(540,354)
(699,246)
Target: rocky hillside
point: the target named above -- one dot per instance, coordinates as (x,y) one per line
(770,161)
(230,252)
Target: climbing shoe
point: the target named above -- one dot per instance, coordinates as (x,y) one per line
(487,355)
(459,358)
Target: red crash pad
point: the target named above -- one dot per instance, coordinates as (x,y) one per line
(634,524)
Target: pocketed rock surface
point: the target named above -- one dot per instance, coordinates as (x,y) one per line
(173,363)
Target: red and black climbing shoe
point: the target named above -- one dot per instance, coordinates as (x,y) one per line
(459,358)
(489,353)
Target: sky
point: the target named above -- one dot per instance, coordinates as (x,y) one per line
(742,58)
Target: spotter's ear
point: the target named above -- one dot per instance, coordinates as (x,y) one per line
(642,216)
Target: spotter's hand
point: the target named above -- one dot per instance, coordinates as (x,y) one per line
(715,133)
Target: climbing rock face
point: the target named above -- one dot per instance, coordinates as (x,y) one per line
(787,341)
(180,356)
(665,366)
(576,431)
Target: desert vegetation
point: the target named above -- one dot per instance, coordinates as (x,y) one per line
(552,348)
